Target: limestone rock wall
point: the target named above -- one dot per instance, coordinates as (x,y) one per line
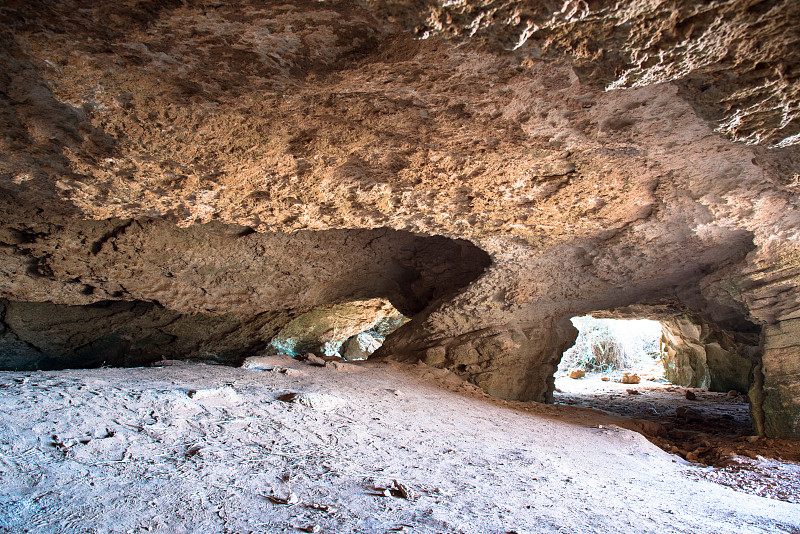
(93,289)
(737,58)
(249,157)
(45,336)
(781,378)
(217,268)
(696,354)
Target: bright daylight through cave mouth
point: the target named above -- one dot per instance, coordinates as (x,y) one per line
(623,367)
(348,331)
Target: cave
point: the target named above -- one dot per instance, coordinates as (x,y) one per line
(312,266)
(289,293)
(681,373)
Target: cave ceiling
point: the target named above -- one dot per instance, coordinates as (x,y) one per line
(596,155)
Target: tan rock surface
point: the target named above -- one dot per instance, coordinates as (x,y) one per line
(320,126)
(698,356)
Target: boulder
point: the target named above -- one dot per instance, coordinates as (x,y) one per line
(360,346)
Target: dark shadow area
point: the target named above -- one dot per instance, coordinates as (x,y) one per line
(151,290)
(44,336)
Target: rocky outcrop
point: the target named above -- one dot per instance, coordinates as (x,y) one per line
(780,377)
(45,336)
(498,360)
(737,59)
(229,290)
(360,347)
(695,354)
(521,165)
(325,329)
(217,268)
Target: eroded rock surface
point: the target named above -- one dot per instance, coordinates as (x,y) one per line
(697,355)
(36,335)
(483,179)
(325,329)
(781,378)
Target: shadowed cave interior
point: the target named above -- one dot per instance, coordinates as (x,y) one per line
(392,276)
(313,266)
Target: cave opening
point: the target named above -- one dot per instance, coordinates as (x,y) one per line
(658,371)
(350,331)
(614,347)
(224,293)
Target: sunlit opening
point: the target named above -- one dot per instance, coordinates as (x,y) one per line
(612,347)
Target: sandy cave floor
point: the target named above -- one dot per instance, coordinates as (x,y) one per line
(705,427)
(377,447)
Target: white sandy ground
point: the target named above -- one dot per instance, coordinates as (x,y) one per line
(198,448)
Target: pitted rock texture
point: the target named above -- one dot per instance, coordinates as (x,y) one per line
(217,268)
(228,290)
(127,127)
(738,58)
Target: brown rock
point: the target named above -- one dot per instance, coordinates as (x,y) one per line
(203,212)
(699,354)
(630,378)
(690,415)
(690,395)
(577,373)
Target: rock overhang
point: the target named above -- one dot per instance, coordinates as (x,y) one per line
(332,117)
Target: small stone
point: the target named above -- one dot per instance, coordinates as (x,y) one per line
(313,359)
(290,498)
(313,528)
(631,378)
(633,392)
(605,379)
(405,491)
(733,393)
(577,373)
(317,401)
(689,414)
(690,395)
